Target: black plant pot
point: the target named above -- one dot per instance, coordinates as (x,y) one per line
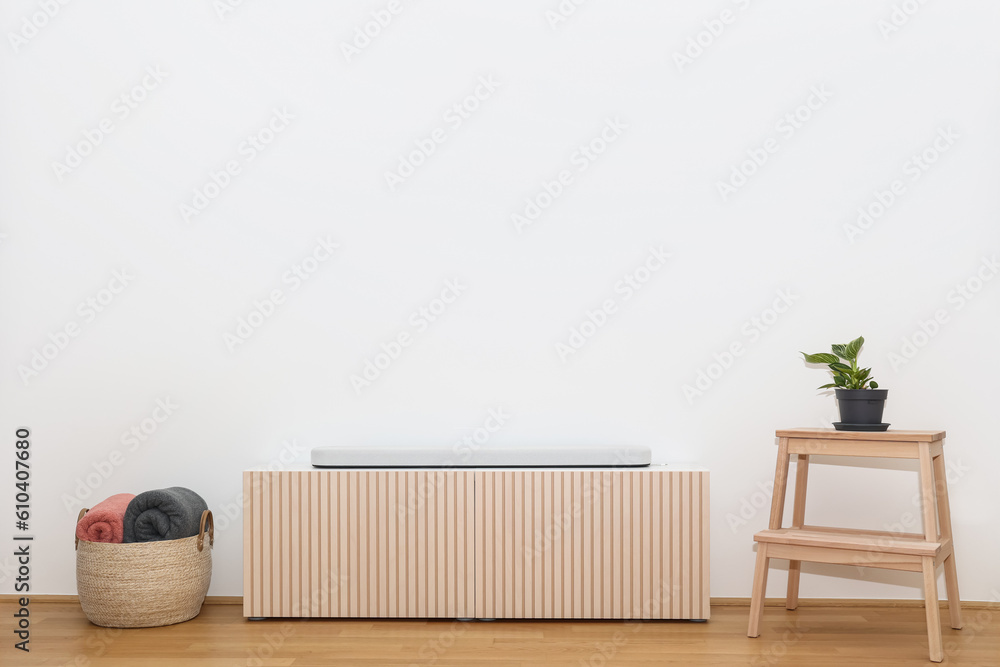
(861,406)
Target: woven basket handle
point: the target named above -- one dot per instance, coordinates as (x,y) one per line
(206,518)
(76,544)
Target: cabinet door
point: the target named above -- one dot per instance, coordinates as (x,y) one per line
(591,544)
(358,543)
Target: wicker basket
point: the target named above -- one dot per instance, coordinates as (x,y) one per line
(145,584)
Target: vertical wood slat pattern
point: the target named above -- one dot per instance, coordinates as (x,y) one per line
(358,543)
(592,544)
(490,544)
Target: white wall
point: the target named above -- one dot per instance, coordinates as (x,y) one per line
(681,129)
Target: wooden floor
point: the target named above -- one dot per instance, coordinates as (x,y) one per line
(220,637)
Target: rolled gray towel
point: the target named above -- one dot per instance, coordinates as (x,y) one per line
(163,514)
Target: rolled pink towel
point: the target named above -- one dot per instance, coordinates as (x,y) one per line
(104,521)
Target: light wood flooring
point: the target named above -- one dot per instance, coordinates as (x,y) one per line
(855,636)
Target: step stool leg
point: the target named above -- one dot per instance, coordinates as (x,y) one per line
(798,520)
(951,586)
(944,516)
(933,613)
(792,597)
(759,590)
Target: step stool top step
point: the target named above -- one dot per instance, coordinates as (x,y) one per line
(833,434)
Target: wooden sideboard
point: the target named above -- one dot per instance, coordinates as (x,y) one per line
(628,543)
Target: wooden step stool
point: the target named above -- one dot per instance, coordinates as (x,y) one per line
(862,548)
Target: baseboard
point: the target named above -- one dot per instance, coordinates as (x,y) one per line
(209,599)
(853,602)
(716,602)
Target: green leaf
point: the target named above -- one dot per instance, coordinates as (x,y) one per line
(821,358)
(854,347)
(845,376)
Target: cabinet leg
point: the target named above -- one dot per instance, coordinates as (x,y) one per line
(933,613)
(759,591)
(951,586)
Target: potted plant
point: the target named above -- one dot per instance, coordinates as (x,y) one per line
(861,401)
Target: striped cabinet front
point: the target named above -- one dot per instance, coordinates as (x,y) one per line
(592,544)
(358,543)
